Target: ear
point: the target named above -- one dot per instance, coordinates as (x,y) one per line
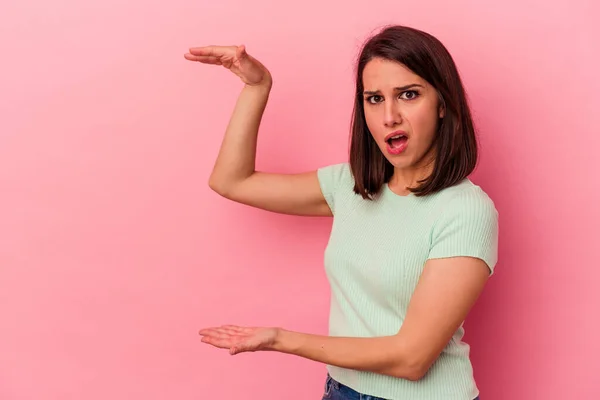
(441,106)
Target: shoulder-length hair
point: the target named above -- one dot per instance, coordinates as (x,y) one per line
(455,142)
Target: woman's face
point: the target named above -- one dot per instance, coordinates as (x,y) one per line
(402,112)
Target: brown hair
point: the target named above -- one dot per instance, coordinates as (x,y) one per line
(455,142)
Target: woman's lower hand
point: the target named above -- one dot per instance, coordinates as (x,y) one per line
(240,339)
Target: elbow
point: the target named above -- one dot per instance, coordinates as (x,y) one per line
(412,360)
(415,373)
(412,370)
(227,186)
(218,187)
(213,184)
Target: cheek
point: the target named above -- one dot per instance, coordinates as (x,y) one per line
(371,120)
(424,123)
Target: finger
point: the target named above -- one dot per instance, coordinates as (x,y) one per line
(203,59)
(244,329)
(230,331)
(218,334)
(234,328)
(206,331)
(206,50)
(210,332)
(220,343)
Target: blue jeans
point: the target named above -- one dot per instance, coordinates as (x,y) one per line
(337,391)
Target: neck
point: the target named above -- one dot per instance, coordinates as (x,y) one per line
(403,178)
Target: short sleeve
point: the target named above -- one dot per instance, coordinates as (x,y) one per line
(333,179)
(467,226)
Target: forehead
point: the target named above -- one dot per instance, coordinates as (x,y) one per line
(380,73)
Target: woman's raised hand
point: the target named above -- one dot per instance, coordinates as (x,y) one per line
(235,59)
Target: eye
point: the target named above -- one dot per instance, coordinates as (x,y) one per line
(373,99)
(409,95)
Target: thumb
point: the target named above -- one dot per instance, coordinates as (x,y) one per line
(238,348)
(240,56)
(240,52)
(246,345)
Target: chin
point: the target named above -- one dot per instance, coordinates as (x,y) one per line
(400,161)
(400,164)
(408,159)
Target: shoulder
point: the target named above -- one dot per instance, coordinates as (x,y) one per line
(466,223)
(335,174)
(465,198)
(466,206)
(336,182)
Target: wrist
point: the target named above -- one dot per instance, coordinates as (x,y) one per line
(264,85)
(282,341)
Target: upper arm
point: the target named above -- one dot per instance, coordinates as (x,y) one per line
(296,194)
(313,193)
(463,253)
(447,290)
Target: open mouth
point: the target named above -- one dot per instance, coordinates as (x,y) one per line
(397,141)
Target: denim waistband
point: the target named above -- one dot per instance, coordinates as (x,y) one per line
(335,390)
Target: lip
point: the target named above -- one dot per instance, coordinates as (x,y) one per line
(397,150)
(396,133)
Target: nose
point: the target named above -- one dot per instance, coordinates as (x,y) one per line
(391,114)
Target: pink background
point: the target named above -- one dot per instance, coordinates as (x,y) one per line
(114,252)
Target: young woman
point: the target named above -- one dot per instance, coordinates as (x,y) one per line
(413,240)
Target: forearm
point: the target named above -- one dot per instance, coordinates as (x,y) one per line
(384,355)
(236,159)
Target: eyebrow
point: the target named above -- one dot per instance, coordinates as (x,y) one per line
(398,89)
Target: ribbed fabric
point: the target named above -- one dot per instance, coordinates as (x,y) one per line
(374,258)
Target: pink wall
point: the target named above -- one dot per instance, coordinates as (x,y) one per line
(113,251)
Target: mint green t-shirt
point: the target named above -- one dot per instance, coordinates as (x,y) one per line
(376,252)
